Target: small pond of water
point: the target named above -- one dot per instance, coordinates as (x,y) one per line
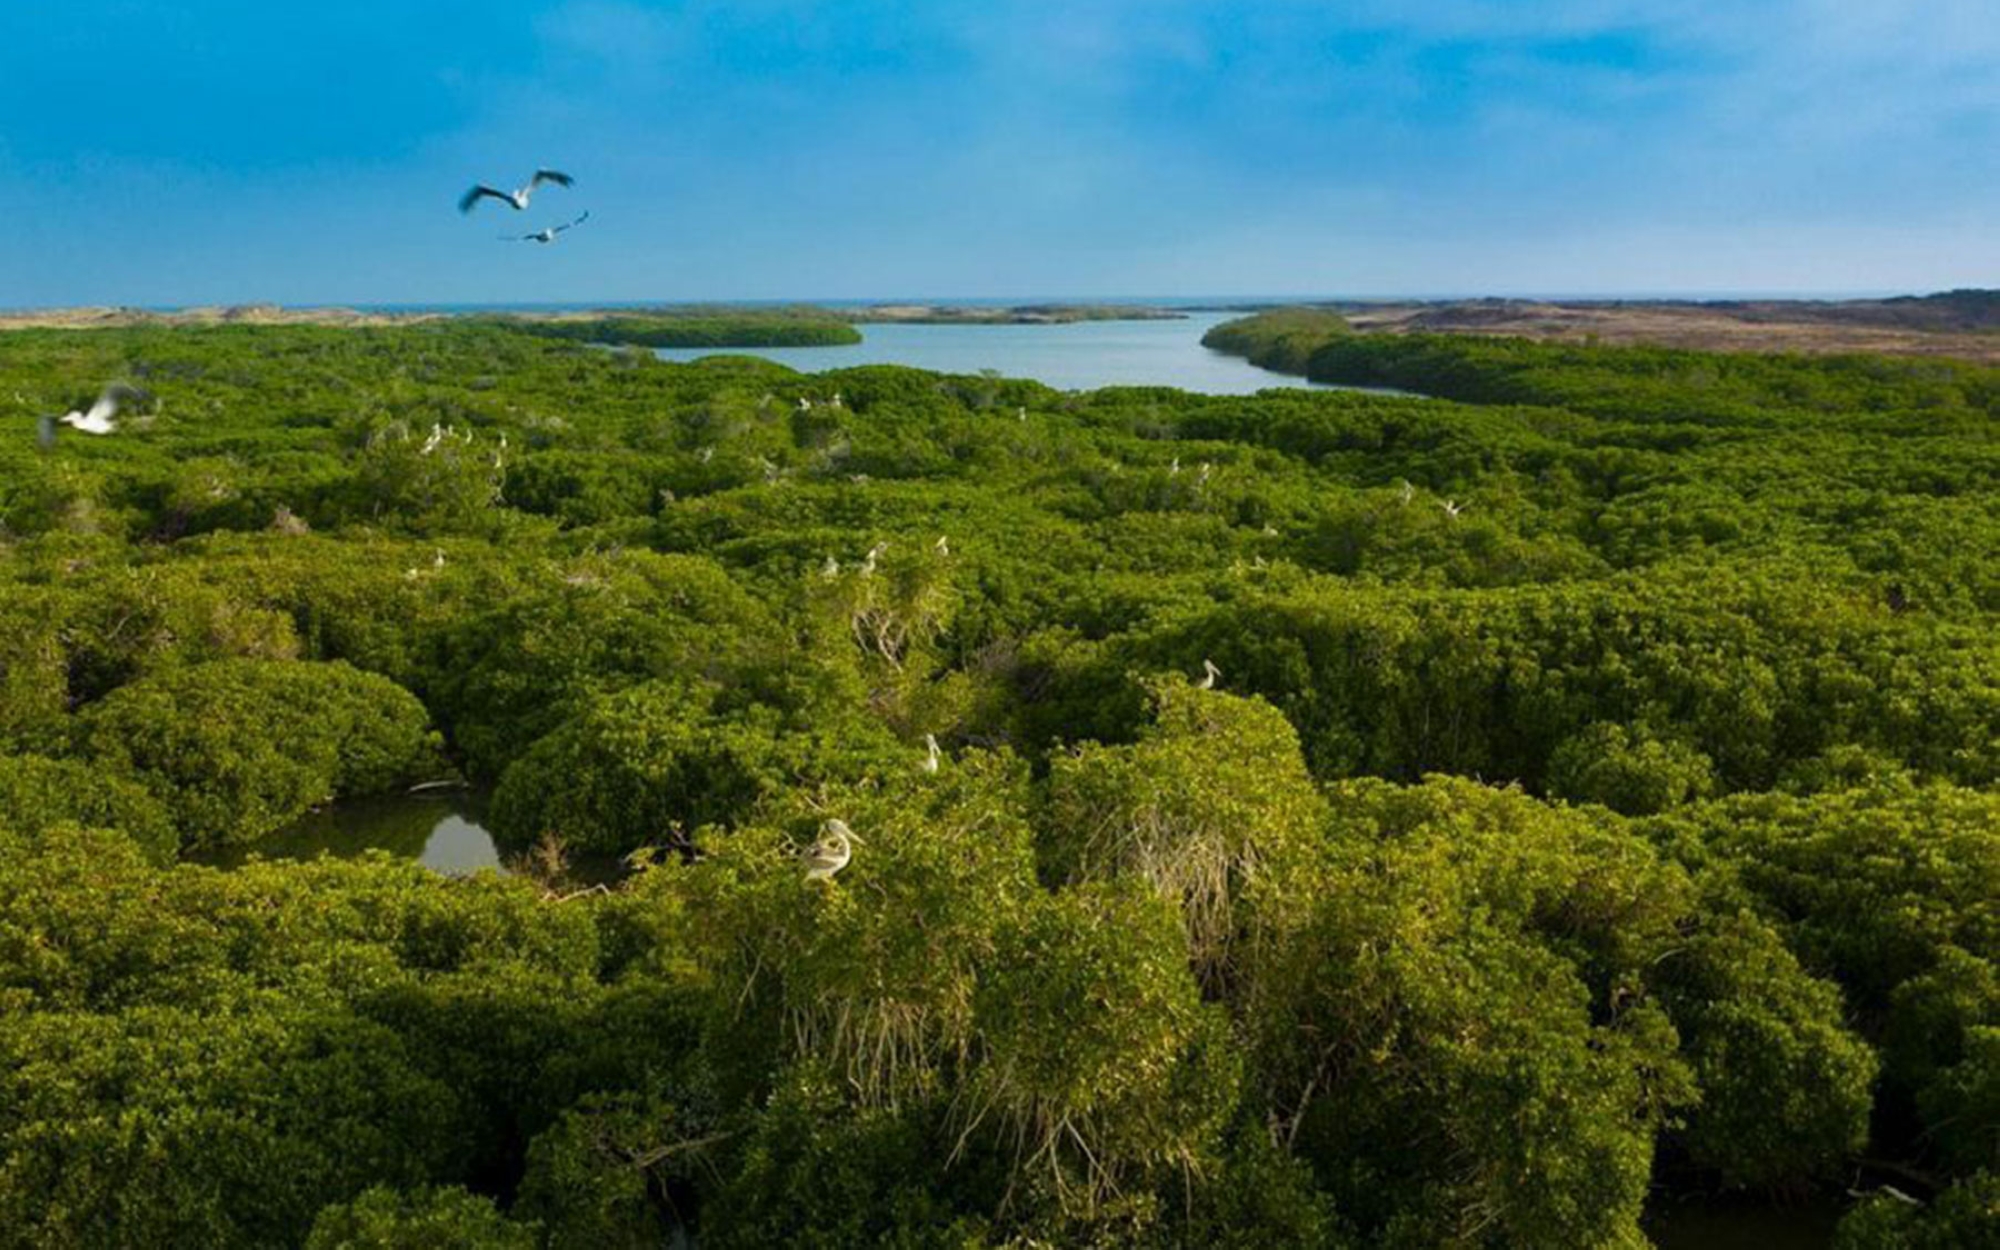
(440,829)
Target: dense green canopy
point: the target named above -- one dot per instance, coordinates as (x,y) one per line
(1629,827)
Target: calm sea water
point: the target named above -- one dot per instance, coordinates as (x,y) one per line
(1082,355)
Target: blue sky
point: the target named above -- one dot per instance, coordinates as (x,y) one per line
(194,151)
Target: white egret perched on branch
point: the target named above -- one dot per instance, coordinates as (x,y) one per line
(831,569)
(1209,672)
(516,199)
(1405,491)
(101,418)
(830,854)
(874,553)
(931,753)
(942,546)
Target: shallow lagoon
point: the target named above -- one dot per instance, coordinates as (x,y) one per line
(1081,355)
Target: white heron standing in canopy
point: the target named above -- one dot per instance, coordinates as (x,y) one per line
(100,418)
(932,755)
(830,854)
(1209,672)
(942,546)
(518,198)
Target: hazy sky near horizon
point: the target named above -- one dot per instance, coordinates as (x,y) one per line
(200,151)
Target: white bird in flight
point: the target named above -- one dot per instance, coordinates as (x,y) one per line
(1452,508)
(517,199)
(547,234)
(102,416)
(830,854)
(1209,673)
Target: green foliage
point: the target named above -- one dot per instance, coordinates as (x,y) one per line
(1462,1040)
(446,481)
(38,794)
(1213,808)
(639,768)
(600,1176)
(792,327)
(1284,340)
(1964,1217)
(236,748)
(1628,771)
(511,674)
(1101,1061)
(428,1219)
(1785,1087)
(649,765)
(1598,795)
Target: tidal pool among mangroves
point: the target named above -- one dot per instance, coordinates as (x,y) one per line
(440,829)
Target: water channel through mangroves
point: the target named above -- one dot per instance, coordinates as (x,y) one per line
(1072,356)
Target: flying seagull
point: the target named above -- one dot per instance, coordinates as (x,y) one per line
(101,418)
(830,854)
(517,199)
(547,234)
